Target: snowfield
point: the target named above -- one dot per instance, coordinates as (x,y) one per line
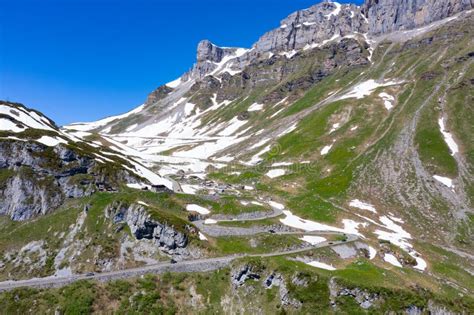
(320,265)
(275,173)
(313,240)
(356,203)
(197,208)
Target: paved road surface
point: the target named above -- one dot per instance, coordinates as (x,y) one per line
(197,265)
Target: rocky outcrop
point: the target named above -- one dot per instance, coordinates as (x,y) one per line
(385,16)
(363,298)
(244,273)
(167,237)
(312,26)
(38,178)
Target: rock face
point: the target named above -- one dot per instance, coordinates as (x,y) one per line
(37,179)
(312,26)
(143,226)
(386,16)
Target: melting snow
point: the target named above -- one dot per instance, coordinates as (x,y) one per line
(289,54)
(276,205)
(387,100)
(335,12)
(334,127)
(313,240)
(202,237)
(174,84)
(392,260)
(320,265)
(307,225)
(51,141)
(444,180)
(210,221)
(255,107)
(356,203)
(448,137)
(372,252)
(366,88)
(275,173)
(326,149)
(198,209)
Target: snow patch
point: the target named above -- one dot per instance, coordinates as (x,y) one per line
(326,149)
(320,265)
(448,137)
(313,240)
(275,173)
(444,180)
(356,203)
(366,88)
(387,100)
(197,208)
(392,260)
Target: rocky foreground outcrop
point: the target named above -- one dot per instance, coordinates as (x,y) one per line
(170,239)
(36,179)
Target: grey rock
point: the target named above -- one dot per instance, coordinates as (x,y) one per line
(311,26)
(142,226)
(386,16)
(43,177)
(244,273)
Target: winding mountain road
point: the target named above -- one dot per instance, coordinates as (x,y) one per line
(197,265)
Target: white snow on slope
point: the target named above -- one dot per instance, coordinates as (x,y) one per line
(8,125)
(255,107)
(313,240)
(294,221)
(366,88)
(448,137)
(372,252)
(276,205)
(88,126)
(356,203)
(399,237)
(335,12)
(239,52)
(202,237)
(174,84)
(198,209)
(51,141)
(444,180)
(28,118)
(387,100)
(392,260)
(275,173)
(326,149)
(320,265)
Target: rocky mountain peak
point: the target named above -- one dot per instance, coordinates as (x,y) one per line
(207,51)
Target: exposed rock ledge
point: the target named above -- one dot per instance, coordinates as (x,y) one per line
(168,238)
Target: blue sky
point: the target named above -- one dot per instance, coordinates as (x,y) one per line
(81,60)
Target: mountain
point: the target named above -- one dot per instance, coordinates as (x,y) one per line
(326,169)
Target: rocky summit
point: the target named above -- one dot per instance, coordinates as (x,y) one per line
(326,169)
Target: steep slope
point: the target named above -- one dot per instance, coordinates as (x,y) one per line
(332,106)
(338,146)
(41,166)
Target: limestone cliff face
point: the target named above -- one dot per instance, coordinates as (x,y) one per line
(36,179)
(312,26)
(143,226)
(385,16)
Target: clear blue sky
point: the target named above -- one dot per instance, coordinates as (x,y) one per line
(81,60)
